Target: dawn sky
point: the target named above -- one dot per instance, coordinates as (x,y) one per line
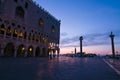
(92,19)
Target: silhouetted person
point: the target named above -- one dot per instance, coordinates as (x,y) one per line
(50,56)
(112,43)
(81,38)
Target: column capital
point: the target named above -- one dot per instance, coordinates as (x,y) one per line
(81,38)
(112,35)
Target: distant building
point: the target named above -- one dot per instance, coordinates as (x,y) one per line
(81,54)
(26,29)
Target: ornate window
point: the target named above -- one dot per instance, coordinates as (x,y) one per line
(20,12)
(37,38)
(13,24)
(41,22)
(15,33)
(40,39)
(9,31)
(20,34)
(53,29)
(26,5)
(33,38)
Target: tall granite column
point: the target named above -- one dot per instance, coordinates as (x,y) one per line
(81,38)
(112,44)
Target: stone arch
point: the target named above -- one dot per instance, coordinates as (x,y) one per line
(15,33)
(21,51)
(30,51)
(2,29)
(9,50)
(20,34)
(19,12)
(33,37)
(37,52)
(37,38)
(43,52)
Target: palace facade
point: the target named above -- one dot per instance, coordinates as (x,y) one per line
(26,29)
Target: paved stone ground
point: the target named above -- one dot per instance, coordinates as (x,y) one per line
(115,63)
(62,68)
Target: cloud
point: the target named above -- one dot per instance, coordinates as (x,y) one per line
(90,40)
(69,40)
(63,34)
(96,39)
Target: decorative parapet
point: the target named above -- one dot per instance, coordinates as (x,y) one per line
(34,2)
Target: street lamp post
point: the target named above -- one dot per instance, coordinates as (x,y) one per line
(81,38)
(112,43)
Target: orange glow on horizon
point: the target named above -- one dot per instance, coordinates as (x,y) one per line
(99,50)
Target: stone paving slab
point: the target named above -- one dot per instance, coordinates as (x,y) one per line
(115,63)
(62,68)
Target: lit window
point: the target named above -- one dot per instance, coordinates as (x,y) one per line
(41,22)
(23,48)
(9,31)
(20,34)
(30,49)
(15,33)
(53,29)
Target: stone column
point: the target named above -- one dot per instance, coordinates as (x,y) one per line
(112,44)
(15,53)
(25,53)
(54,52)
(58,52)
(81,38)
(50,53)
(4,35)
(34,54)
(2,52)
